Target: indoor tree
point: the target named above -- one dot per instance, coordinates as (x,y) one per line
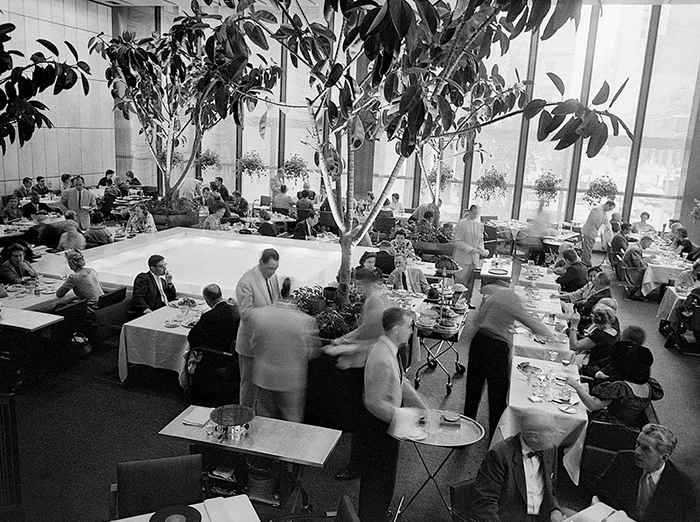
(186,81)
(426,81)
(20,112)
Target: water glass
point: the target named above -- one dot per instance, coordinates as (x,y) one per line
(553,354)
(566,393)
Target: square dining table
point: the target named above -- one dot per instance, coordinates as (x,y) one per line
(218,509)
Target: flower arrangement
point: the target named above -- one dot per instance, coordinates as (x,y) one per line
(172,207)
(600,188)
(695,213)
(305,295)
(251,164)
(331,324)
(208,159)
(491,183)
(547,187)
(295,167)
(446,176)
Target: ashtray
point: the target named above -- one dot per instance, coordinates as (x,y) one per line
(450,416)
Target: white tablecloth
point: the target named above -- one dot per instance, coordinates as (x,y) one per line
(658,274)
(230,509)
(572,427)
(147,341)
(524,345)
(543,279)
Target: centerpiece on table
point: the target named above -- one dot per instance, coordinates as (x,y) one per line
(173,212)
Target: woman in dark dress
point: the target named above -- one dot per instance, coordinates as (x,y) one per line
(623,401)
(368,262)
(596,347)
(266,227)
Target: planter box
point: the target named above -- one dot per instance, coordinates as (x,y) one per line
(166,221)
(439,249)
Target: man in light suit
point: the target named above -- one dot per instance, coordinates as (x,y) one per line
(257,287)
(153,289)
(407,278)
(646,484)
(80,200)
(517,479)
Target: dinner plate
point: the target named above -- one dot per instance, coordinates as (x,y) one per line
(498,271)
(571,410)
(176,514)
(171,324)
(15,288)
(48,291)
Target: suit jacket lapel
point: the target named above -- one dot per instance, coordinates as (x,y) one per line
(519,468)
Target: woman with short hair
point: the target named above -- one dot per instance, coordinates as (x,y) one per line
(594,349)
(84,281)
(141,220)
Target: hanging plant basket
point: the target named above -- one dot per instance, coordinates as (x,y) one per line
(209,160)
(446,176)
(599,189)
(251,164)
(295,167)
(547,187)
(695,213)
(491,183)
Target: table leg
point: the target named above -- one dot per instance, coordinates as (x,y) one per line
(431,476)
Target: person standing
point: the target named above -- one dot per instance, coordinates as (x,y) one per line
(79,200)
(283,339)
(489,352)
(596,219)
(469,245)
(153,289)
(385,391)
(258,287)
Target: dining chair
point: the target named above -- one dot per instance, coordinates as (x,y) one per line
(146,486)
(265,201)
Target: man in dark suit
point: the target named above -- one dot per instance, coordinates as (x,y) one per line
(215,374)
(646,484)
(306,228)
(34,206)
(517,479)
(153,289)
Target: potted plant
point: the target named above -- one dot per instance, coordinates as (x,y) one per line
(295,167)
(309,299)
(599,189)
(209,159)
(491,183)
(547,187)
(171,212)
(695,213)
(251,164)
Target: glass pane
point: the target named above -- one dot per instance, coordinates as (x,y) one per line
(451,193)
(665,144)
(384,161)
(619,54)
(564,55)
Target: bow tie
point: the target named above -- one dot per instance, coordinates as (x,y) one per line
(539,454)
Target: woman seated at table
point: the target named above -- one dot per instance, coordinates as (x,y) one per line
(623,401)
(98,233)
(595,348)
(213,220)
(12,212)
(641,226)
(682,244)
(368,261)
(84,282)
(71,239)
(631,337)
(141,220)
(386,210)
(401,245)
(15,270)
(266,226)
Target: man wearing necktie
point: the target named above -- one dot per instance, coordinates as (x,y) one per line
(407,278)
(153,289)
(386,390)
(80,200)
(258,287)
(645,484)
(517,479)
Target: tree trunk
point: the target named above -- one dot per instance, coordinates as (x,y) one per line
(343,295)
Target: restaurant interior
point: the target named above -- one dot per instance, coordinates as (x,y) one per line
(83,390)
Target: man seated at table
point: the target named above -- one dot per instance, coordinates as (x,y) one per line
(559,266)
(634,264)
(24,190)
(283,200)
(407,278)
(620,241)
(29,210)
(213,220)
(15,270)
(386,390)
(131,179)
(214,378)
(518,477)
(575,275)
(84,282)
(304,204)
(601,290)
(238,205)
(690,278)
(385,259)
(153,289)
(98,233)
(582,293)
(305,228)
(645,484)
(40,187)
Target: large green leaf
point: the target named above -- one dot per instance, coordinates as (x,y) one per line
(447,115)
(619,91)
(49,45)
(256,35)
(558,83)
(410,98)
(602,95)
(567,107)
(533,108)
(539,10)
(564,10)
(545,120)
(599,135)
(335,75)
(428,14)
(401,15)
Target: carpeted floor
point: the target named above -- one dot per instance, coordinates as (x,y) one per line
(77,423)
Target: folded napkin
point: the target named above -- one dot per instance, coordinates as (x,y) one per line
(230,509)
(197,417)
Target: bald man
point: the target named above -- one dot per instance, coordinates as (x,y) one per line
(517,479)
